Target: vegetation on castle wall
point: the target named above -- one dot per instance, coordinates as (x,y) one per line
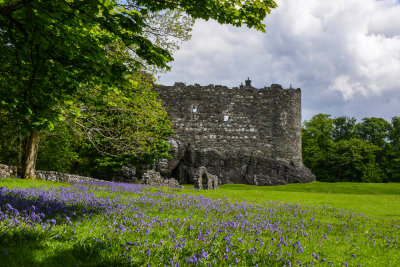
(340,149)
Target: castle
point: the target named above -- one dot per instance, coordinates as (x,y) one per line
(265,122)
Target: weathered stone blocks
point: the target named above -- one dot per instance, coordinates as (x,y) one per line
(151,177)
(205,180)
(242,135)
(238,167)
(7,171)
(166,166)
(11,171)
(266,119)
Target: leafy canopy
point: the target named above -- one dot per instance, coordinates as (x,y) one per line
(49,49)
(341,149)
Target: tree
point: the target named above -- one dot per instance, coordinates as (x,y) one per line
(344,128)
(340,149)
(10,140)
(127,126)
(353,160)
(374,130)
(101,132)
(59,149)
(167,29)
(51,49)
(316,141)
(394,135)
(393,151)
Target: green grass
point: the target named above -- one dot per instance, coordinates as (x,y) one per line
(158,219)
(379,200)
(22,183)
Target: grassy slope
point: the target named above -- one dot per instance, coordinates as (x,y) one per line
(345,238)
(382,200)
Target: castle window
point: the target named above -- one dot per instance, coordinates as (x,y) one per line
(226,118)
(194,109)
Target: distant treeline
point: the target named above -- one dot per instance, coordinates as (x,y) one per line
(342,149)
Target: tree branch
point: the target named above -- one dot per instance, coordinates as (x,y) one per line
(14,6)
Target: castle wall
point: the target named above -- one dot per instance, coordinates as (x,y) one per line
(266,120)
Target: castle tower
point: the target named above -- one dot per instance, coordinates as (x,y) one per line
(229,121)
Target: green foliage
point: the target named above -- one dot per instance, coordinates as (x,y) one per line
(52,50)
(100,131)
(354,160)
(127,126)
(395,133)
(343,150)
(374,130)
(344,128)
(59,149)
(234,12)
(10,140)
(316,140)
(393,151)
(48,50)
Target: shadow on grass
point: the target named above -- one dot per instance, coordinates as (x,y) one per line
(20,248)
(24,245)
(34,249)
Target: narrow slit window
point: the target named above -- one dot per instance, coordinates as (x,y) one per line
(226,118)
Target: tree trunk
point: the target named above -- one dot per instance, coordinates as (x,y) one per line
(29,155)
(21,142)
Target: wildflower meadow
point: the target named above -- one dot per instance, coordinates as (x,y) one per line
(119,224)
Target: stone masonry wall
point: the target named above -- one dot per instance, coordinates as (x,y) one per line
(266,120)
(11,171)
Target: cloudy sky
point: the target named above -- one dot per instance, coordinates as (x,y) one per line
(343,54)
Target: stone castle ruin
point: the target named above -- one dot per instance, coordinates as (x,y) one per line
(241,135)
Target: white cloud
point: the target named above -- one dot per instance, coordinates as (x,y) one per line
(347,48)
(358,39)
(376,66)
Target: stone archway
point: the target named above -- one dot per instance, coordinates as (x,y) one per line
(205,180)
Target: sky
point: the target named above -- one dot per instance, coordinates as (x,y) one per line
(343,54)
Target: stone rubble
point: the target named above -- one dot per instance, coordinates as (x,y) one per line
(11,171)
(152,177)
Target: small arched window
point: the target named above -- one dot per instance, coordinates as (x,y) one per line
(226,118)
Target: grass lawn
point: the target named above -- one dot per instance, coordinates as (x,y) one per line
(381,200)
(116,224)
